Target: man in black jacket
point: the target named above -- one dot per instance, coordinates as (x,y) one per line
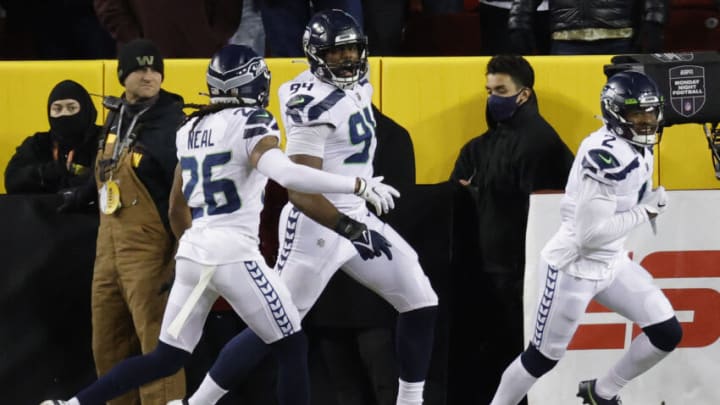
(519,154)
(592,27)
(48,162)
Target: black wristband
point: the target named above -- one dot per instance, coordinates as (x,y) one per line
(348,227)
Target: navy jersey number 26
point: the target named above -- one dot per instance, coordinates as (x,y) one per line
(209,186)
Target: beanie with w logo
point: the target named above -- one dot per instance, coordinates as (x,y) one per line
(138,54)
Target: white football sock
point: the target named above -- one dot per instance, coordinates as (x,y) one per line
(639,358)
(514,384)
(410,393)
(208,393)
(73,401)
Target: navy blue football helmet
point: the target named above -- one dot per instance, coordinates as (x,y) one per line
(632,93)
(238,75)
(330,29)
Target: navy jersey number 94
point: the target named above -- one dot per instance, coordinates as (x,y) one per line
(362,129)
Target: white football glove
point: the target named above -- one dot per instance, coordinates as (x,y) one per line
(378,194)
(655,201)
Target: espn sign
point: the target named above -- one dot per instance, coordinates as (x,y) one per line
(698,307)
(684,259)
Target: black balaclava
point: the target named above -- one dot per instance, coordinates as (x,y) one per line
(71,130)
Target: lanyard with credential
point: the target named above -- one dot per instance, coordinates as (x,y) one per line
(120,146)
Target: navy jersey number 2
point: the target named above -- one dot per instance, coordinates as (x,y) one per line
(211,188)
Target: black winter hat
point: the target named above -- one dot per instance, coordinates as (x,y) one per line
(138,54)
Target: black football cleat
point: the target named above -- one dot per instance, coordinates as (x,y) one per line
(586,391)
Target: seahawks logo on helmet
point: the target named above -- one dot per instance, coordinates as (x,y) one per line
(238,75)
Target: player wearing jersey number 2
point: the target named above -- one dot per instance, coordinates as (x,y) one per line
(609,193)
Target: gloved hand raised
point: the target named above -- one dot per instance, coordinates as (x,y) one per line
(378,194)
(655,202)
(369,243)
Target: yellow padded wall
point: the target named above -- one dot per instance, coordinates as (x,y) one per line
(24,90)
(441,101)
(685,162)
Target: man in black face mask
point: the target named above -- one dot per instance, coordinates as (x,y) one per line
(48,162)
(519,153)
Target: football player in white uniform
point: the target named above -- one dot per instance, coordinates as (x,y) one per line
(226,151)
(609,192)
(328,116)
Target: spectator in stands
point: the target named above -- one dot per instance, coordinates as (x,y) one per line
(134,262)
(442,6)
(495,37)
(58,159)
(591,27)
(285,21)
(385,21)
(180,29)
(250,32)
(519,153)
(53,30)
(384,25)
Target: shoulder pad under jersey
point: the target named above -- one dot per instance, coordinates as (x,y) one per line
(310,103)
(608,164)
(259,122)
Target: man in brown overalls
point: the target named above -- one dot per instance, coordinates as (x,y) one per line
(135,248)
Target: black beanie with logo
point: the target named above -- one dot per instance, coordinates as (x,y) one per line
(138,54)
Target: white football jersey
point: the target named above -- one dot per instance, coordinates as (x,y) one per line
(349,150)
(221,186)
(627,170)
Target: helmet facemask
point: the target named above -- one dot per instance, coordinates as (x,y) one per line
(632,108)
(639,121)
(348,70)
(331,40)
